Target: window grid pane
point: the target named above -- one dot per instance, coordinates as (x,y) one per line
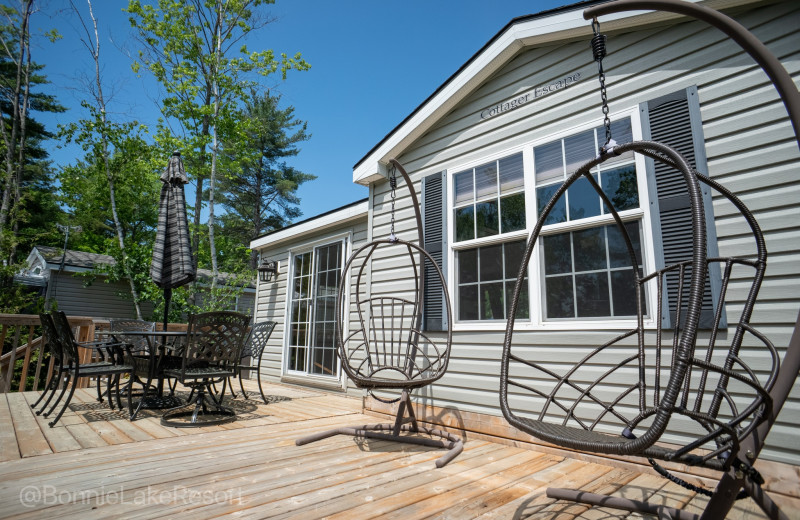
(328,274)
(489,199)
(616,178)
(486,278)
(586,275)
(299,325)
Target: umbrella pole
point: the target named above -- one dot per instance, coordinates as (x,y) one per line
(167,300)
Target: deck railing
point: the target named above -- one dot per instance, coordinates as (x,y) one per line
(25,366)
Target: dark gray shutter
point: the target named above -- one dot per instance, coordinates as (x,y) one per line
(674,120)
(434,215)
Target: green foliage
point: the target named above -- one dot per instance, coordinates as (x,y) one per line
(260,192)
(179,47)
(27,185)
(197,51)
(136,167)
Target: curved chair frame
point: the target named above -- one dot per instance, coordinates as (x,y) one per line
(254,348)
(389,350)
(53,346)
(580,413)
(737,436)
(576,430)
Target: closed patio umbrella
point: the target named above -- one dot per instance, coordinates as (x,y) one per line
(172,254)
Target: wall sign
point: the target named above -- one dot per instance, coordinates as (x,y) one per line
(531,95)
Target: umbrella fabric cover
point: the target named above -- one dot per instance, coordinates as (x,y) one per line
(172,254)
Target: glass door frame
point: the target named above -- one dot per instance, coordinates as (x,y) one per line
(310,247)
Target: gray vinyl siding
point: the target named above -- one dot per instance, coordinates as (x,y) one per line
(750,148)
(244,304)
(271,301)
(76,296)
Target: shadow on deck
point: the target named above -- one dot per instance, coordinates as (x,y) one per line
(96,463)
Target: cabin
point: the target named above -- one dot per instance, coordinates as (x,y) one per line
(488,148)
(71,281)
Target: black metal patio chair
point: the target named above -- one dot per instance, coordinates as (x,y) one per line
(72,369)
(53,348)
(387,348)
(213,347)
(253,349)
(135,350)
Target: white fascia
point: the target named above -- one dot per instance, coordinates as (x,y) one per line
(334,218)
(538,31)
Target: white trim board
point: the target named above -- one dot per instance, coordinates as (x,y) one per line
(334,218)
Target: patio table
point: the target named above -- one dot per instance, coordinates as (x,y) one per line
(157,350)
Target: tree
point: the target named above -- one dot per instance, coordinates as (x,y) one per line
(98,125)
(85,192)
(27,209)
(262,196)
(196,50)
(16,37)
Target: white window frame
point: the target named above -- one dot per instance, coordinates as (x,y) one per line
(536,267)
(346,239)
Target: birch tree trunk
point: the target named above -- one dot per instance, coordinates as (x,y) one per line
(214,151)
(23,118)
(95,51)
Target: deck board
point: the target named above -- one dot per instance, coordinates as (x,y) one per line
(95,463)
(30,438)
(9,448)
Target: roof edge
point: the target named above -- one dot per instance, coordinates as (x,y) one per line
(335,216)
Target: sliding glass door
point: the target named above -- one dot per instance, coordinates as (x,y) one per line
(315,279)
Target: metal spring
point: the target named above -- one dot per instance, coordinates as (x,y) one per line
(599,46)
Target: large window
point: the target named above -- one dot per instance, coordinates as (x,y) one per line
(315,278)
(489,204)
(582,264)
(587,272)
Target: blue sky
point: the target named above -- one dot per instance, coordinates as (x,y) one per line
(372,63)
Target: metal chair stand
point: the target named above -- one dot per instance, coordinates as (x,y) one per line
(206,411)
(402,424)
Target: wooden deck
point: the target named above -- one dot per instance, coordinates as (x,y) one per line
(97,464)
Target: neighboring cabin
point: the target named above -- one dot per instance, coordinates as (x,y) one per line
(58,274)
(491,145)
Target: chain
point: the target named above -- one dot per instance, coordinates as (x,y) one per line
(393,184)
(599,52)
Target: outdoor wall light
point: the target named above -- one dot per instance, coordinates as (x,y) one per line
(268,271)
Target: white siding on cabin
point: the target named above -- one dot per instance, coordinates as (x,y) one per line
(748,141)
(97,299)
(272,296)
